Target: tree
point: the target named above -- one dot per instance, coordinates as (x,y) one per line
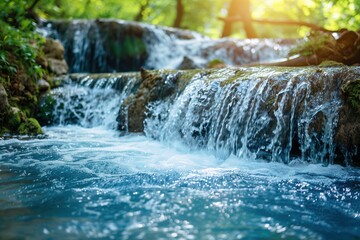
(179,13)
(241,9)
(202,16)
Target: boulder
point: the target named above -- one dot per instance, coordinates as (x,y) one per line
(53,49)
(57,66)
(43,85)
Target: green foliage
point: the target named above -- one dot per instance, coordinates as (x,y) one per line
(19,48)
(14,120)
(202,15)
(13,12)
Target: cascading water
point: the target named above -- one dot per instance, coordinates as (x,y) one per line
(89,101)
(278,114)
(115,45)
(84,180)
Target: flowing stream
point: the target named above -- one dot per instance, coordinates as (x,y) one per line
(195,172)
(84,180)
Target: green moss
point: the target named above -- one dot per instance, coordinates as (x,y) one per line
(238,75)
(14,120)
(30,127)
(130,46)
(271,101)
(352,93)
(329,63)
(215,62)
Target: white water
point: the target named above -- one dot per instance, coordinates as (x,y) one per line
(138,154)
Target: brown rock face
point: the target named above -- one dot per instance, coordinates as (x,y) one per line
(348,133)
(57,66)
(54,57)
(54,49)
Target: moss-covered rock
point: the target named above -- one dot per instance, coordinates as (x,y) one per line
(351,90)
(216,63)
(14,119)
(30,127)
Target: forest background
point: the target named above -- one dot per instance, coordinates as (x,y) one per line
(203,15)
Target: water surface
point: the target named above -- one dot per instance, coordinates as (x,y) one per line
(91,183)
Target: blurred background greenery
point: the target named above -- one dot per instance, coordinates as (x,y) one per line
(202,15)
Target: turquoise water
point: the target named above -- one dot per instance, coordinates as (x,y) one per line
(91,183)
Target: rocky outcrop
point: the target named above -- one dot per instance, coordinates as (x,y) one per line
(271,113)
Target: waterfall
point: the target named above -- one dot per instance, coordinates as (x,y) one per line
(273,114)
(95,46)
(88,100)
(276,114)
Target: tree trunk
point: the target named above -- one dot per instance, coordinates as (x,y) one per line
(30,12)
(179,14)
(140,16)
(239,8)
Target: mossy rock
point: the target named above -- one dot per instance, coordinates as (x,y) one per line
(329,63)
(14,119)
(215,63)
(351,90)
(30,127)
